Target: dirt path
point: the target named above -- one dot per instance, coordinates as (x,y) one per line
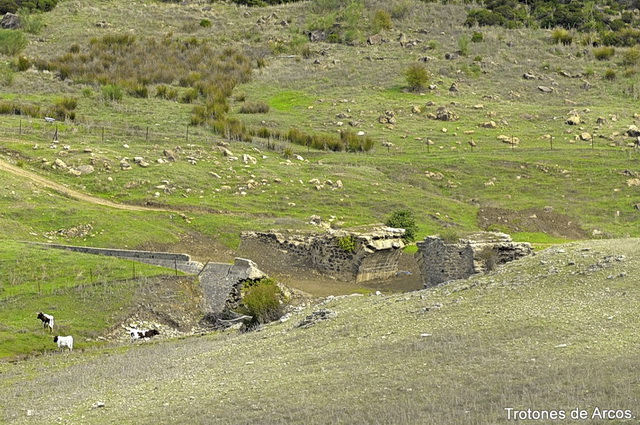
(4,166)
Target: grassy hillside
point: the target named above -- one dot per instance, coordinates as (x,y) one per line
(309,86)
(556,331)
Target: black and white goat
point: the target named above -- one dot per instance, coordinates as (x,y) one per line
(47,320)
(137,334)
(64,341)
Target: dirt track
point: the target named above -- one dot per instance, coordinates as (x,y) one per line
(4,166)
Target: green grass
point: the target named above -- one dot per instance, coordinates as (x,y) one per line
(85,293)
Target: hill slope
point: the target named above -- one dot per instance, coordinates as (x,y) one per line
(556,331)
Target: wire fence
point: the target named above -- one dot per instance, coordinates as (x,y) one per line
(52,130)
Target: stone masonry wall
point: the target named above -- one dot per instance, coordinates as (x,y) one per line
(441,262)
(375,254)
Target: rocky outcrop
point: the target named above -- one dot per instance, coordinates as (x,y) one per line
(345,255)
(10,21)
(441,261)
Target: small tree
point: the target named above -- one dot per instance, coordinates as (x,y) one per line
(417,77)
(404,219)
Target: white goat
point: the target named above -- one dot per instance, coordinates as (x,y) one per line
(64,341)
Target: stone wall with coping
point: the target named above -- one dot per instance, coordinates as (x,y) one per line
(375,254)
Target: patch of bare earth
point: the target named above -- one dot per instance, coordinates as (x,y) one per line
(170,304)
(531,220)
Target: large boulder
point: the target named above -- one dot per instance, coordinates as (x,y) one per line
(10,22)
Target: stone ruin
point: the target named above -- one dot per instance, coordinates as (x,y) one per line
(345,255)
(440,261)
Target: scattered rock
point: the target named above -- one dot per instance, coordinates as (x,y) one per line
(585,137)
(633,131)
(375,39)
(58,163)
(573,120)
(85,169)
(443,114)
(315,317)
(545,89)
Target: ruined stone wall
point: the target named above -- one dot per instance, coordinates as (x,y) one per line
(375,254)
(441,262)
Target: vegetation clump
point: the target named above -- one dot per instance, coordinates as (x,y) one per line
(263,300)
(417,77)
(404,219)
(347,243)
(604,52)
(12,42)
(254,108)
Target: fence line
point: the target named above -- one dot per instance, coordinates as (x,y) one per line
(153,134)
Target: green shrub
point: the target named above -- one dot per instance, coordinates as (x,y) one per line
(477,37)
(381,20)
(31,21)
(189,96)
(604,52)
(68,103)
(417,77)
(12,42)
(610,74)
(205,23)
(401,9)
(347,243)
(161,91)
(450,236)
(140,91)
(263,300)
(287,153)
(112,93)
(562,36)
(254,108)
(489,258)
(631,57)
(6,75)
(404,219)
(463,45)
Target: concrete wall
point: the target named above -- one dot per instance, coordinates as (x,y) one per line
(375,254)
(165,259)
(441,262)
(216,279)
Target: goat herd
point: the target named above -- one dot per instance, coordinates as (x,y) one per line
(67,341)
